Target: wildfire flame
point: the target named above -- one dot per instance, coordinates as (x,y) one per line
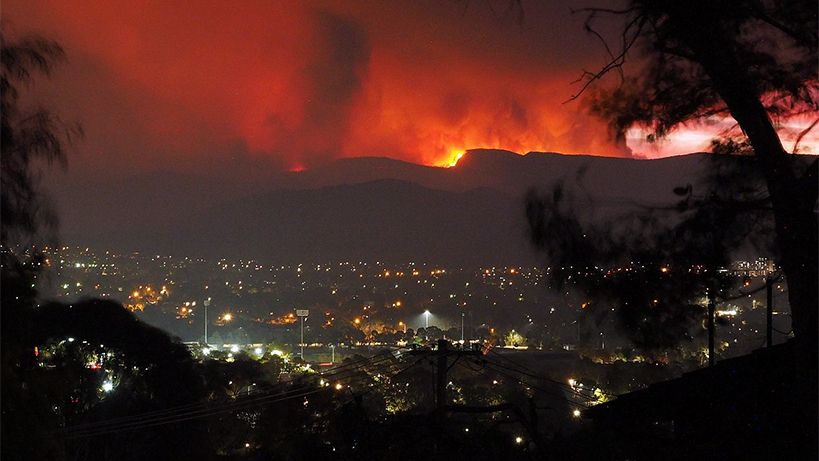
(454,159)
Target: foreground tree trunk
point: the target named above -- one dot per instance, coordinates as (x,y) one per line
(793,198)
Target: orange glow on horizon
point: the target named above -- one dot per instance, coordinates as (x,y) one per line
(216,87)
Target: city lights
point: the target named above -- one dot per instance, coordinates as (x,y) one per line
(369,161)
(365,298)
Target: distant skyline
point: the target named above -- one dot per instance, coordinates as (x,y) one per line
(255,87)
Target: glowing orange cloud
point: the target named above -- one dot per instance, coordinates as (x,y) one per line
(261,85)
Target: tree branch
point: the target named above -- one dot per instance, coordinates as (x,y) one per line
(802,135)
(617,61)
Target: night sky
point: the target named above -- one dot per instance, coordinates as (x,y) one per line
(262,85)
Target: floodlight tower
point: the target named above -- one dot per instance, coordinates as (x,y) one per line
(302,313)
(207,304)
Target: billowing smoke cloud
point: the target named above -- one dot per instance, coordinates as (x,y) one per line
(332,80)
(259,86)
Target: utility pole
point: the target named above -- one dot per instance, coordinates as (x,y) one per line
(207,304)
(440,391)
(471,325)
(769,316)
(710,331)
(442,353)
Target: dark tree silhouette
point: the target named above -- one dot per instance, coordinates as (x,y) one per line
(654,267)
(29,139)
(754,61)
(151,372)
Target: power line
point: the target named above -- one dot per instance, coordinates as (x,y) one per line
(171,411)
(200,410)
(354,397)
(532,374)
(574,391)
(176,419)
(506,375)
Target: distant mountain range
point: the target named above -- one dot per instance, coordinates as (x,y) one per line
(358,208)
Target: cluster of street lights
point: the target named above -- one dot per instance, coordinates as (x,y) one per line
(302,314)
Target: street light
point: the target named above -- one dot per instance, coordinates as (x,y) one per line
(302,313)
(426,319)
(207,304)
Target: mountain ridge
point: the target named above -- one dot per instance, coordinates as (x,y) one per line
(480,200)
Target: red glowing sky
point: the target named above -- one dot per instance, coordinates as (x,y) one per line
(260,85)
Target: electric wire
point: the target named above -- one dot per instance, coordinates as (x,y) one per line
(532,386)
(532,374)
(574,392)
(182,408)
(341,406)
(163,421)
(192,411)
(207,412)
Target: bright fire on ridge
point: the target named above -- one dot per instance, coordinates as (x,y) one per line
(454,160)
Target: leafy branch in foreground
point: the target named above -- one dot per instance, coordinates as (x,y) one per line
(654,267)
